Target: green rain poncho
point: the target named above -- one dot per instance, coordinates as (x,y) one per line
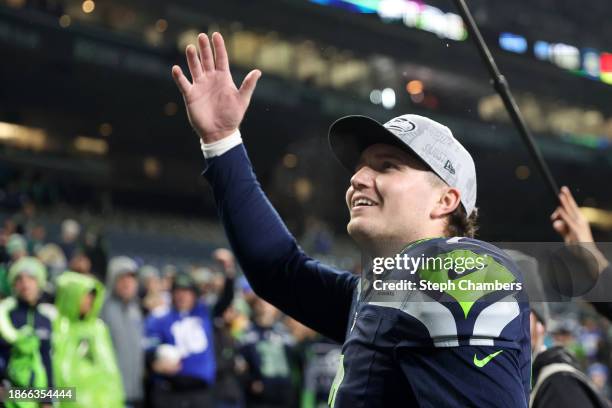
(83,355)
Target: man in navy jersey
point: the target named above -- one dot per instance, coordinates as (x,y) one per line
(412,199)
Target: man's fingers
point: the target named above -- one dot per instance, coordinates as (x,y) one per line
(221,59)
(567,218)
(193,62)
(560,227)
(554,215)
(248,85)
(571,208)
(208,62)
(570,196)
(181,80)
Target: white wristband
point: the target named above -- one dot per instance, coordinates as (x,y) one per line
(221,146)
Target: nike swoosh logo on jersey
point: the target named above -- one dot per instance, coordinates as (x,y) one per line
(481,363)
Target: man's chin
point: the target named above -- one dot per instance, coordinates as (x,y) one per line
(360,231)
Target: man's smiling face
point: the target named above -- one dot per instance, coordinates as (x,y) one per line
(390,197)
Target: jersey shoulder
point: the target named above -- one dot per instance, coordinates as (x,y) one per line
(446,244)
(465,248)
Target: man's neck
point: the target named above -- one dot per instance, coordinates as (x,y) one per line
(392,248)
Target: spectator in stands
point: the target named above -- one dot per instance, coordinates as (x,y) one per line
(556,377)
(591,338)
(80,263)
(167,277)
(83,355)
(70,235)
(226,263)
(205,279)
(155,300)
(53,258)
(318,359)
(16,248)
(121,312)
(25,329)
(231,366)
(598,374)
(267,347)
(95,248)
(187,375)
(9,227)
(24,218)
(36,238)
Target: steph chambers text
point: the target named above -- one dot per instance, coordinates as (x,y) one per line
(450,285)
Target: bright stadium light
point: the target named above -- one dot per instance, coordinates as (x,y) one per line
(392,9)
(541,50)
(388,98)
(565,56)
(414,87)
(88,6)
(590,62)
(376,96)
(513,43)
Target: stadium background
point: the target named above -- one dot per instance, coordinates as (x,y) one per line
(93,128)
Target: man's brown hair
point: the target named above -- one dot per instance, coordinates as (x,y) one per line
(462,225)
(459,223)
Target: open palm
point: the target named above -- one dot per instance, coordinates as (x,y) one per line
(215,106)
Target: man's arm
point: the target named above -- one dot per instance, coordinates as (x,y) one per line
(226,260)
(574,228)
(278,270)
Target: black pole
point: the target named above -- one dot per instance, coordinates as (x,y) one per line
(501,86)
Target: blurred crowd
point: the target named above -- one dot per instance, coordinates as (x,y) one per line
(588,337)
(124,333)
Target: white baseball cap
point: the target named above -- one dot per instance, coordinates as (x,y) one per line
(431,141)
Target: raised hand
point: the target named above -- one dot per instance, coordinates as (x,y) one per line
(215,106)
(569,222)
(225,258)
(574,228)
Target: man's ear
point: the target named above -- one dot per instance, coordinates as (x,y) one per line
(448,202)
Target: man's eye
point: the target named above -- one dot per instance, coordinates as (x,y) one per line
(388,165)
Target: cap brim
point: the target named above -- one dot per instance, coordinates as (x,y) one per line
(351,135)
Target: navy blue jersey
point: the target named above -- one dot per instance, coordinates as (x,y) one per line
(425,348)
(448,344)
(320,358)
(267,351)
(14,314)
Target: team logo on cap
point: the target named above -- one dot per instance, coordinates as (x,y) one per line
(401,125)
(449,166)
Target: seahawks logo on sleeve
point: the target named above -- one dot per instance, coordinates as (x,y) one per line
(464,292)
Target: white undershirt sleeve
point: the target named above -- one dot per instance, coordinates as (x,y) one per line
(221,146)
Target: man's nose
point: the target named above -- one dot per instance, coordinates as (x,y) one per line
(363,178)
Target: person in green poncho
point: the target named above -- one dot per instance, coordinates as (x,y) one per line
(16,248)
(25,331)
(83,355)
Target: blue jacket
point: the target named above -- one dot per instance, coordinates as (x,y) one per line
(192,334)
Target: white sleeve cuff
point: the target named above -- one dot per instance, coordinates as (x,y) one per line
(221,146)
